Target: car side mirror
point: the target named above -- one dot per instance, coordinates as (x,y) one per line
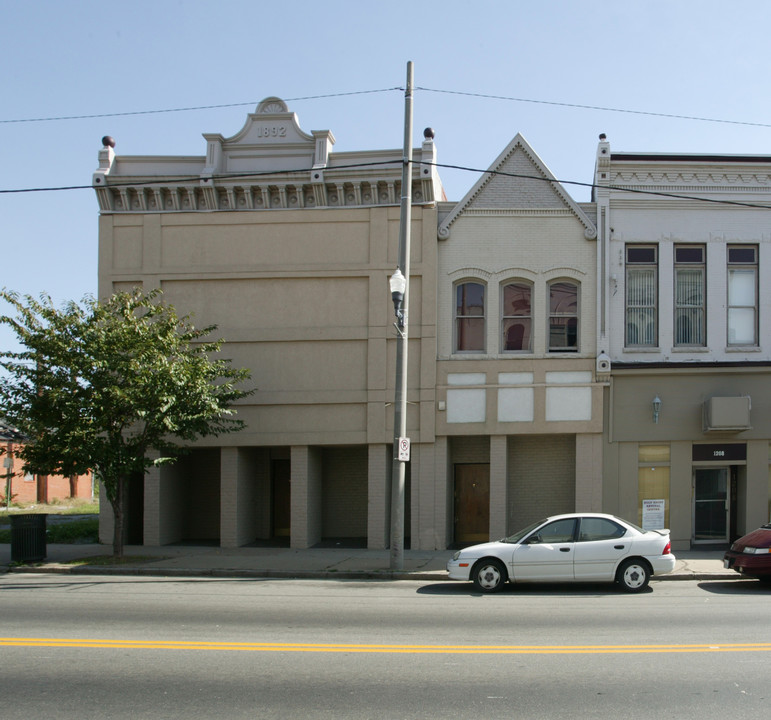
(533,540)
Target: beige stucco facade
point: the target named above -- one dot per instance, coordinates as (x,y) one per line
(287,248)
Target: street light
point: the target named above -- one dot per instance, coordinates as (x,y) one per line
(398,284)
(656,408)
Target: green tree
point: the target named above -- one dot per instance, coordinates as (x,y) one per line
(98,385)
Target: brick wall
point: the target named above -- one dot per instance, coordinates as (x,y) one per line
(33,489)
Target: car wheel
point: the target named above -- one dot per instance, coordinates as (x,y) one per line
(488,575)
(634,576)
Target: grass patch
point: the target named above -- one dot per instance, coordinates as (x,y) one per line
(68,506)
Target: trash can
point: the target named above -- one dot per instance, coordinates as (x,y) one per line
(28,538)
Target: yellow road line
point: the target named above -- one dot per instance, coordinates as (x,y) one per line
(366,648)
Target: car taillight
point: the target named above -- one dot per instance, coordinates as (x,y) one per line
(667,550)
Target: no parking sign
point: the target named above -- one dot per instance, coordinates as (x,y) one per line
(404,449)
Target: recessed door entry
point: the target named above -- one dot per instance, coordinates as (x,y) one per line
(472,503)
(711,505)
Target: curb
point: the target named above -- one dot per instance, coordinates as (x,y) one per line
(389,575)
(382,575)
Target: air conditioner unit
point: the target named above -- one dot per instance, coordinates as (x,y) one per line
(727,414)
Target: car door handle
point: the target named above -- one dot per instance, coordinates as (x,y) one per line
(564,549)
(619,547)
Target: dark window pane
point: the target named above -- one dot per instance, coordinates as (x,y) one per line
(741,255)
(563,299)
(645,255)
(471,334)
(516,300)
(516,334)
(685,254)
(563,334)
(470,299)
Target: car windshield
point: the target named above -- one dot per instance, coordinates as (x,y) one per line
(517,536)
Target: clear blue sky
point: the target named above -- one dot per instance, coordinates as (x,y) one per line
(703,58)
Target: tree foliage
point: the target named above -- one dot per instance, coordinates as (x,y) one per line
(97,385)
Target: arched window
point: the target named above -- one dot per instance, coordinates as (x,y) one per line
(469,317)
(563,316)
(517,317)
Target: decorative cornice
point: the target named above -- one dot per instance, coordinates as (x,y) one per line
(695,181)
(217,195)
(270,164)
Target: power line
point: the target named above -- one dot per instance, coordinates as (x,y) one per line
(649,113)
(181,179)
(461,93)
(187,109)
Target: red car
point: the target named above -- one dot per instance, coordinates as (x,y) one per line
(751,555)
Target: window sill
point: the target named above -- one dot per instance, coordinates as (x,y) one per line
(642,349)
(690,349)
(742,349)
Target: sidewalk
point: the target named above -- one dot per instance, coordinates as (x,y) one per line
(313,563)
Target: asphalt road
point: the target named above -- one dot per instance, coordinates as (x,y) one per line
(120,647)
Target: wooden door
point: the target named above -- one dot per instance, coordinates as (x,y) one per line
(472,503)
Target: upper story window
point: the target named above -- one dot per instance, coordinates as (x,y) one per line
(517,317)
(641,296)
(742,295)
(563,316)
(690,295)
(469,317)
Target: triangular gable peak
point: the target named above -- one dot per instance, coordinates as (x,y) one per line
(517,180)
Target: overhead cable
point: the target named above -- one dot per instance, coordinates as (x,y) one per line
(273,173)
(461,93)
(188,109)
(596,107)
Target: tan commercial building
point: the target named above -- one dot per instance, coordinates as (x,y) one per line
(287,247)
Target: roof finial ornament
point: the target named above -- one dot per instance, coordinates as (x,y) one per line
(108,141)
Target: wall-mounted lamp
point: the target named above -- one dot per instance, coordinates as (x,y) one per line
(656,408)
(398,284)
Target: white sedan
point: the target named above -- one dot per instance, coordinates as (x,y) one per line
(590,547)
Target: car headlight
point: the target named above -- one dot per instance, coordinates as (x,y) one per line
(456,556)
(756,551)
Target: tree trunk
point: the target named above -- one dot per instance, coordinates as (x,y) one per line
(117,511)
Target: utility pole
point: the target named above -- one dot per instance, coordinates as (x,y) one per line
(401,442)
